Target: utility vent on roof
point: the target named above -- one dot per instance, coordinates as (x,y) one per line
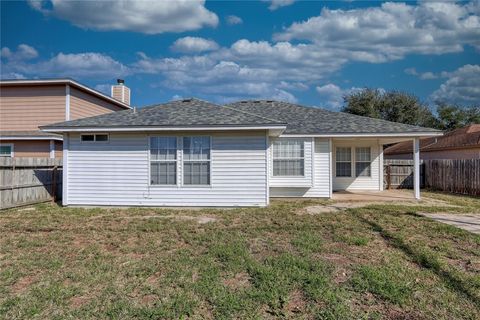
(187,100)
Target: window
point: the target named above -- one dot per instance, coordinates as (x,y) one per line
(6,150)
(362,162)
(94,137)
(288,158)
(343,163)
(196,160)
(163,160)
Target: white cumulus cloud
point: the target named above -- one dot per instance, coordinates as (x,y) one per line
(333,94)
(194,44)
(275,4)
(462,86)
(233,20)
(23,52)
(391,31)
(150,17)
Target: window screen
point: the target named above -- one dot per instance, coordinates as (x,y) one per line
(343,162)
(288,158)
(163,160)
(100,137)
(362,162)
(196,160)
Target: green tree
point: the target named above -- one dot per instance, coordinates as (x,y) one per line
(394,106)
(451,117)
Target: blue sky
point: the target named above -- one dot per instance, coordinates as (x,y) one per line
(301,51)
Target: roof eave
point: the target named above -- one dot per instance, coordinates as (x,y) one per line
(368,135)
(274,130)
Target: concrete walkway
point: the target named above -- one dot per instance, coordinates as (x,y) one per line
(469,222)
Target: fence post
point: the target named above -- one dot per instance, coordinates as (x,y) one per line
(54,184)
(389,178)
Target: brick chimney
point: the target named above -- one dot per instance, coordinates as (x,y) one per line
(121,92)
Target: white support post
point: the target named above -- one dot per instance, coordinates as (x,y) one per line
(52,149)
(66,146)
(330,168)
(416,165)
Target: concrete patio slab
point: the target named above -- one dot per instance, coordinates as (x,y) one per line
(469,222)
(386,195)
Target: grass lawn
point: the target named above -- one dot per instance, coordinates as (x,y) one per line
(376,262)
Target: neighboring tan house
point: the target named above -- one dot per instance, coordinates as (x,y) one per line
(463,143)
(27,104)
(195,153)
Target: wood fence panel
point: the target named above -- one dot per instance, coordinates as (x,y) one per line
(455,176)
(398,174)
(29,180)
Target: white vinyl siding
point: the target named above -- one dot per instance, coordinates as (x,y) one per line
(117,173)
(320,187)
(362,182)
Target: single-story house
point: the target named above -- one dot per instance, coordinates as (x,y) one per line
(195,153)
(462,143)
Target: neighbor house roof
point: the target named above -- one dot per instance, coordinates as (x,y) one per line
(29,135)
(63,81)
(184,113)
(467,137)
(317,121)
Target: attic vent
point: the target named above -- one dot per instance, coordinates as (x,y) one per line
(257,101)
(269,101)
(187,100)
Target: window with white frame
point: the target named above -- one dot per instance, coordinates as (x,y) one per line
(343,162)
(362,162)
(6,150)
(196,160)
(94,137)
(288,158)
(163,160)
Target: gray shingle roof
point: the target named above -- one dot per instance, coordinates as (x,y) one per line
(309,120)
(180,113)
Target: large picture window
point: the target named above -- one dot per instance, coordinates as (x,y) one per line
(163,160)
(288,158)
(343,163)
(362,162)
(196,160)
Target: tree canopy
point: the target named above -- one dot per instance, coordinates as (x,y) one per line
(406,108)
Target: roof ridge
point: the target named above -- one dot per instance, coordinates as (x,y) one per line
(253,114)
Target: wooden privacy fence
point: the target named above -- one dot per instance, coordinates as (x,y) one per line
(456,176)
(398,174)
(29,180)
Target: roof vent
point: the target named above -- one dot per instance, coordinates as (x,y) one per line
(187,100)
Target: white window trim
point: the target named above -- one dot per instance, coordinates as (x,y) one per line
(209,185)
(95,137)
(285,158)
(353,161)
(11,145)
(150,184)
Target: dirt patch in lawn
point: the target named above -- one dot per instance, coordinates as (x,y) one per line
(296,303)
(22,284)
(241,280)
(344,205)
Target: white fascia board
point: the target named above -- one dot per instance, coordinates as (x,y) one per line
(31,138)
(365,135)
(69,82)
(274,129)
